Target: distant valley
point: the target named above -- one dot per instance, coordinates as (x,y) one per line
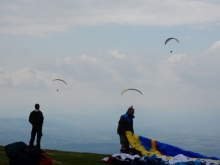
(59,136)
(94,139)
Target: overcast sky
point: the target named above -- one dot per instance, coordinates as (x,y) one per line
(101,47)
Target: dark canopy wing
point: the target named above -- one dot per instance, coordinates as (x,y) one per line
(167,40)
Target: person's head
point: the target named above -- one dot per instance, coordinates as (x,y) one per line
(37,106)
(130,110)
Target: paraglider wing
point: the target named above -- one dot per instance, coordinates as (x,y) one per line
(130,89)
(167,40)
(60,80)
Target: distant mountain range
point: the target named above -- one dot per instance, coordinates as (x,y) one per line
(94,138)
(57,135)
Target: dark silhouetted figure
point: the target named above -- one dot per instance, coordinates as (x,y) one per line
(171,51)
(125,123)
(36,118)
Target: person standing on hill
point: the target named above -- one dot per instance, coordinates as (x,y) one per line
(36,118)
(125,124)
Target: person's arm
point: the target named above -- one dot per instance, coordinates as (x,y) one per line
(122,124)
(30,118)
(132,130)
(42,118)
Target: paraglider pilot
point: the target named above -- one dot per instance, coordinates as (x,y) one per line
(36,118)
(125,123)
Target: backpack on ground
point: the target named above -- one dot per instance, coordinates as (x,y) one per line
(45,159)
(19,153)
(30,156)
(13,151)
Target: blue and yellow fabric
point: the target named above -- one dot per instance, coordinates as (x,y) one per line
(149,147)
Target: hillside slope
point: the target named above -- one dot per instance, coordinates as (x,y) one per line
(64,158)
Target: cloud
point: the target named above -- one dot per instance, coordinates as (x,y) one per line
(215,46)
(26,77)
(88,69)
(176,58)
(199,71)
(115,54)
(181,81)
(68,59)
(104,72)
(24,17)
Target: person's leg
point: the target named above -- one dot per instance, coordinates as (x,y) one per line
(39,135)
(33,133)
(124,143)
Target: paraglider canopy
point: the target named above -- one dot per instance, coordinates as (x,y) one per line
(167,40)
(60,80)
(130,89)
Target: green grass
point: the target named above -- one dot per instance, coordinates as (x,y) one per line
(64,157)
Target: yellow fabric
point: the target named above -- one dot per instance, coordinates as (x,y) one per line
(135,143)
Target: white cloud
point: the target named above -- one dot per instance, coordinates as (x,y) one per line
(99,71)
(85,68)
(180,81)
(67,59)
(85,57)
(26,77)
(116,54)
(39,19)
(215,46)
(176,58)
(201,71)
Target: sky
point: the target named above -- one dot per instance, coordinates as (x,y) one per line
(100,48)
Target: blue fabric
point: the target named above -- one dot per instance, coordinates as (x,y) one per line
(127,117)
(145,142)
(170,150)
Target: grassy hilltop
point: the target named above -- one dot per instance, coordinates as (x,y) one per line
(64,158)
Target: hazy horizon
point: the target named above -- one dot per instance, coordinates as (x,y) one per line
(77,133)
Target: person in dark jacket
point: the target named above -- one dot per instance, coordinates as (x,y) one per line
(125,124)
(36,118)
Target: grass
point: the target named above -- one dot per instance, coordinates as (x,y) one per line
(64,157)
